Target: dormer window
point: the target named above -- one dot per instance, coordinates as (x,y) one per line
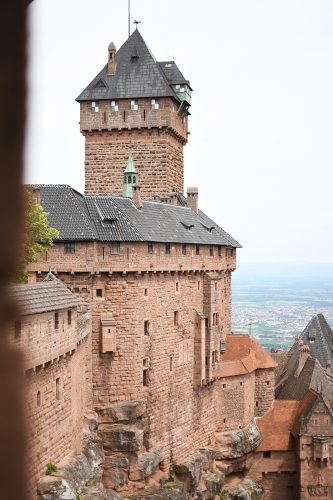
(114,106)
(311,340)
(154,104)
(134,105)
(94,107)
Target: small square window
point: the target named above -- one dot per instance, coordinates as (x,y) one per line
(99,292)
(18,328)
(267,454)
(267,382)
(150,248)
(115,248)
(154,104)
(134,105)
(167,248)
(197,249)
(94,107)
(114,106)
(184,248)
(69,247)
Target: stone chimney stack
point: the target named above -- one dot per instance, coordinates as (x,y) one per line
(304,354)
(192,198)
(112,64)
(136,196)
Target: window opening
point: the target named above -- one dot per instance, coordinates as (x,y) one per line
(150,248)
(184,249)
(39,398)
(146,327)
(197,249)
(171,363)
(99,292)
(114,106)
(176,318)
(94,107)
(56,321)
(114,247)
(69,247)
(58,391)
(167,248)
(146,292)
(134,105)
(154,104)
(211,251)
(267,454)
(18,328)
(177,286)
(69,316)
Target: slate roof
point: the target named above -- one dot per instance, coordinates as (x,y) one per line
(313,376)
(322,347)
(305,409)
(115,218)
(43,297)
(136,77)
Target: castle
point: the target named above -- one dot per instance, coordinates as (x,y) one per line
(157,387)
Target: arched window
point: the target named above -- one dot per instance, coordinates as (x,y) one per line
(129,179)
(125,179)
(134,179)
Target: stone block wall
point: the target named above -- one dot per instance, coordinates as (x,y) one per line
(157,154)
(56,398)
(41,341)
(236,401)
(264,391)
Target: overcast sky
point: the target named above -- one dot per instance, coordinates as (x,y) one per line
(261,143)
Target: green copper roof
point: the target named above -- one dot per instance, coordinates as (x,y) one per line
(130,167)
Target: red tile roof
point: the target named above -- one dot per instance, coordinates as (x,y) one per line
(276,425)
(243,355)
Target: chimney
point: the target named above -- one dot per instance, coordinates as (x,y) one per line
(192,198)
(304,354)
(112,64)
(136,196)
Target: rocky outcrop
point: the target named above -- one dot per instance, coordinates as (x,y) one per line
(74,471)
(119,437)
(169,492)
(245,490)
(235,444)
(126,411)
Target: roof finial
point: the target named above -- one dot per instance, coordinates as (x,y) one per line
(136,23)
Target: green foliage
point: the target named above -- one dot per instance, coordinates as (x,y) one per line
(37,237)
(50,468)
(78,496)
(224,495)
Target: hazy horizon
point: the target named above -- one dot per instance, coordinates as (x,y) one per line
(260,149)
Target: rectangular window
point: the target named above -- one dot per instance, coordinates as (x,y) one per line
(167,248)
(176,318)
(267,454)
(177,286)
(220,251)
(145,372)
(114,106)
(150,248)
(56,321)
(197,249)
(215,319)
(211,251)
(134,105)
(58,389)
(171,363)
(17,328)
(146,292)
(94,107)
(146,327)
(99,292)
(184,249)
(115,248)
(69,247)
(154,104)
(229,251)
(69,316)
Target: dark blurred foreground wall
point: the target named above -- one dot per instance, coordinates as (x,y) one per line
(12,121)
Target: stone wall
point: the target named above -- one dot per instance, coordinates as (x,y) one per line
(236,401)
(56,399)
(264,391)
(154,136)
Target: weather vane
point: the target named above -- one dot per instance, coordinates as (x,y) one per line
(136,23)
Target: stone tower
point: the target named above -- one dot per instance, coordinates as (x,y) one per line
(135,103)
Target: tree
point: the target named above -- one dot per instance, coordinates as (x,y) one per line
(38,235)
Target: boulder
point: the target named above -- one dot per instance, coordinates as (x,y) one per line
(123,411)
(245,490)
(189,471)
(119,437)
(171,491)
(235,444)
(54,488)
(145,465)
